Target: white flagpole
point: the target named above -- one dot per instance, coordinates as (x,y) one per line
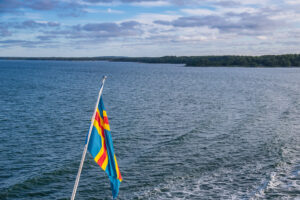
(87,143)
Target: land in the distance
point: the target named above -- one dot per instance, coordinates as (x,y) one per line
(287,60)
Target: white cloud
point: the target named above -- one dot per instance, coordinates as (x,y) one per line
(151,3)
(262,37)
(148,18)
(109,10)
(198,11)
(93,4)
(33,16)
(293,2)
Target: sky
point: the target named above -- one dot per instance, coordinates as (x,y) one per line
(87,28)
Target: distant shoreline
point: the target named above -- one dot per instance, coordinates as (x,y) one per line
(286,60)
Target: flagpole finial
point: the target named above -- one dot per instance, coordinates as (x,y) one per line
(103,80)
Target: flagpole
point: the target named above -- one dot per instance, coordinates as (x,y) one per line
(88,139)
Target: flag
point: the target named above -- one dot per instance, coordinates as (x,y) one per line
(101,148)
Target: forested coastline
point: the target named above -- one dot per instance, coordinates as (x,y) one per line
(287,60)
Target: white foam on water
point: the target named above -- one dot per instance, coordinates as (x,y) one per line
(219,184)
(209,185)
(286,180)
(274,182)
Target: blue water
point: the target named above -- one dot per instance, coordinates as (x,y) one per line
(178,132)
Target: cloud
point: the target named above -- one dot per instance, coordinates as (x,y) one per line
(8,29)
(24,43)
(46,37)
(156,3)
(230,22)
(9,5)
(113,11)
(64,8)
(43,4)
(198,11)
(262,37)
(108,30)
(36,24)
(124,1)
(4,32)
(227,3)
(183,26)
(98,31)
(151,3)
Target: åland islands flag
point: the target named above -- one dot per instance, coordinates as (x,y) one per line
(101,148)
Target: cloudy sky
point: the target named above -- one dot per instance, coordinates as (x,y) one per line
(148,27)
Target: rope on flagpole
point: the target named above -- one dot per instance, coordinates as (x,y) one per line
(86,145)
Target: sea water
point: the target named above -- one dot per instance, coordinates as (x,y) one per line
(179,132)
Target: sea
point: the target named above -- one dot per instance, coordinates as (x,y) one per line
(179,132)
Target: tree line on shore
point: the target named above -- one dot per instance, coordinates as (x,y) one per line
(288,60)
